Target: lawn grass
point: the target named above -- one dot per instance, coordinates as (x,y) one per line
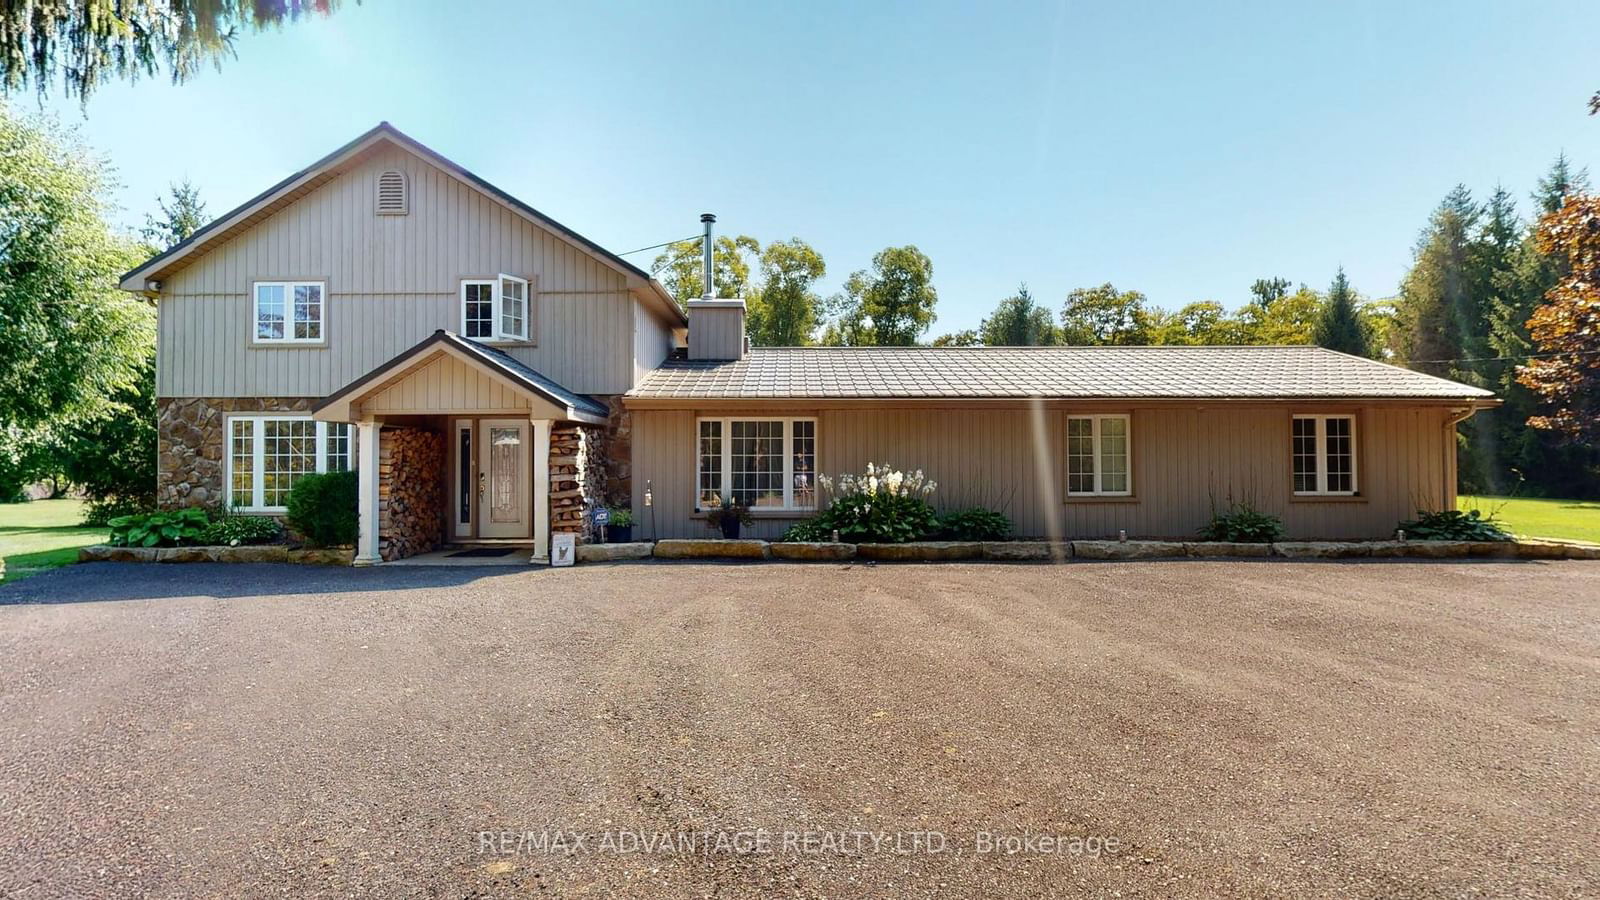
(42,535)
(1575,520)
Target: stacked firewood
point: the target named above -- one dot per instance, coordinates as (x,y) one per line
(410,492)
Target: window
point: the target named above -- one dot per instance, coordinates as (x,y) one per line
(266,454)
(288,312)
(1323,451)
(1097,456)
(762,463)
(495,310)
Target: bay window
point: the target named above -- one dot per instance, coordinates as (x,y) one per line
(495,309)
(1097,456)
(1323,452)
(766,463)
(267,454)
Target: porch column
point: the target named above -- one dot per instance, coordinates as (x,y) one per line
(367,492)
(541,491)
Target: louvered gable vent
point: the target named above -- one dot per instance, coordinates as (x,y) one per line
(392,200)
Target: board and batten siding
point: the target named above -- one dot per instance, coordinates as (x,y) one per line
(1014,459)
(447,383)
(390,282)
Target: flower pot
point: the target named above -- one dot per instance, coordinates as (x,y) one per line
(730,528)
(619,534)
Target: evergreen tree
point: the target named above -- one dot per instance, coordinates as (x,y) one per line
(1437,312)
(1339,327)
(181,216)
(1018,322)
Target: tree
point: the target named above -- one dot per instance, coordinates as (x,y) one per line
(112,457)
(69,338)
(1566,328)
(1201,322)
(1437,313)
(1267,291)
(1104,315)
(683,265)
(181,216)
(85,43)
(1018,322)
(889,305)
(964,338)
(1282,319)
(785,309)
(1340,327)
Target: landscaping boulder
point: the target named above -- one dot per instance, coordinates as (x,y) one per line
(1320,549)
(1420,549)
(1535,549)
(1026,551)
(815,551)
(921,551)
(1227,548)
(710,549)
(182,555)
(609,552)
(1126,549)
(322,556)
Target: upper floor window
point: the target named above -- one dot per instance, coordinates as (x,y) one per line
(1097,456)
(495,310)
(1323,449)
(288,312)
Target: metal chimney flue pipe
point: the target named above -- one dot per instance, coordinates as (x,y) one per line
(706,247)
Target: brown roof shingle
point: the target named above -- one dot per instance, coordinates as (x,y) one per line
(1004,372)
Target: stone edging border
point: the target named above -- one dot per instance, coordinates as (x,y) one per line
(258,553)
(1046,551)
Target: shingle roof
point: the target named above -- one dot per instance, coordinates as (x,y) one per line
(1003,372)
(534,378)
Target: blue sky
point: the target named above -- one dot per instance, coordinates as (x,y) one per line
(1180,149)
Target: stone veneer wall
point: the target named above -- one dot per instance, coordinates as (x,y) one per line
(191,440)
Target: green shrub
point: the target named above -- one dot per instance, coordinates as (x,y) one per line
(974,524)
(811,531)
(1242,524)
(879,506)
(324,508)
(1454,525)
(235,530)
(167,528)
(620,516)
(101,512)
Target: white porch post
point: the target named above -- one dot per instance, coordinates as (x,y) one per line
(541,491)
(367,489)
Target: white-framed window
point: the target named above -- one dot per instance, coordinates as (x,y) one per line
(1098,455)
(495,309)
(288,312)
(1323,453)
(267,453)
(764,463)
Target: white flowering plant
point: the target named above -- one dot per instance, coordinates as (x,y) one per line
(880,505)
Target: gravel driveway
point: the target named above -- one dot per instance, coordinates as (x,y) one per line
(1260,728)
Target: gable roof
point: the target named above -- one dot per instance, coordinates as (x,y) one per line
(578,406)
(328,167)
(1064,372)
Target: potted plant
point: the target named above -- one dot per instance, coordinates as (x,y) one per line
(619,530)
(728,517)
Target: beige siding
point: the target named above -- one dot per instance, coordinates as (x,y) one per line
(391,281)
(1182,457)
(448,384)
(652,342)
(716,333)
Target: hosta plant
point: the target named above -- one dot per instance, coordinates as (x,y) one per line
(882,505)
(1454,525)
(168,528)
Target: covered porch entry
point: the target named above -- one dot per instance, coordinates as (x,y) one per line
(461,435)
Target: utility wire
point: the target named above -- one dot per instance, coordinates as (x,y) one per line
(693,237)
(1506,358)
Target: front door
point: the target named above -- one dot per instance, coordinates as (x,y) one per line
(504,478)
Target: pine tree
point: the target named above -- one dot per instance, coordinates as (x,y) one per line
(1437,312)
(1340,327)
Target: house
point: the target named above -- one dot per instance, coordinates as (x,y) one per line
(503,375)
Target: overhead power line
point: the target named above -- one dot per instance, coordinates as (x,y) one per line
(695,237)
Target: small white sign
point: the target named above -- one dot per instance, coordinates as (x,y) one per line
(563,548)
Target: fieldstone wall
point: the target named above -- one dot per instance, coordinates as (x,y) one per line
(191,440)
(615,455)
(410,492)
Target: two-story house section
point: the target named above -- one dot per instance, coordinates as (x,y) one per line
(385,294)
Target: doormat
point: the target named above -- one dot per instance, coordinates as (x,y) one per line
(483,552)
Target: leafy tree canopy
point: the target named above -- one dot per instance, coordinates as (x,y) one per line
(1018,321)
(85,43)
(784,309)
(69,338)
(1105,315)
(681,267)
(1566,328)
(889,305)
